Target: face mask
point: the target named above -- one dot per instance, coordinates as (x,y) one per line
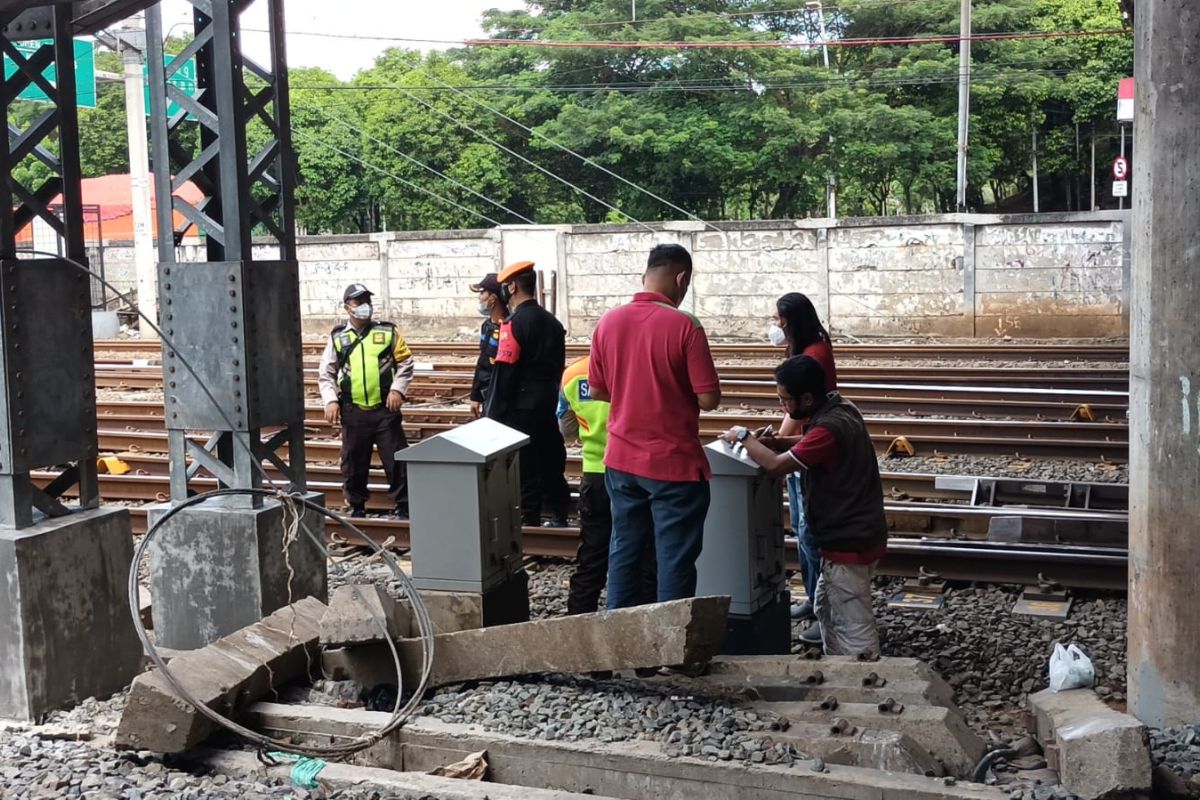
(485,310)
(775,335)
(505,294)
(362,312)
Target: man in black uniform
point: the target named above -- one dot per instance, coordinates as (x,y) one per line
(494,309)
(524,393)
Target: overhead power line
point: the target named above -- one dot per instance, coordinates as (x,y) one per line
(392,175)
(774,44)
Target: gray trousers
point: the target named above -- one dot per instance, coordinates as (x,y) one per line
(843,607)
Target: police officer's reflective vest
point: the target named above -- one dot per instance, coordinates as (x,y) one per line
(367,365)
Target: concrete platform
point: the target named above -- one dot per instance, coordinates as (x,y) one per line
(65,628)
(1100,752)
(629,770)
(220,566)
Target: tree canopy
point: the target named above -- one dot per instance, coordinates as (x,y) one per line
(478,135)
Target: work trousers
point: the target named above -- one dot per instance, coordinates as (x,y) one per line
(362,431)
(669,513)
(843,606)
(591,560)
(543,463)
(810,557)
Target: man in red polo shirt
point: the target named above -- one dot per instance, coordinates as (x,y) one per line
(843,500)
(652,362)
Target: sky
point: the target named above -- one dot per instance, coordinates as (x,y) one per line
(447,19)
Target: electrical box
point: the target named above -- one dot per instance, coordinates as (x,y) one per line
(464,495)
(743,554)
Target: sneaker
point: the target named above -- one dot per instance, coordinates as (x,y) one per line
(357,512)
(811,634)
(555,522)
(802,611)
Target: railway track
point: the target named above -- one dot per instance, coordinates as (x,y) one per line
(126,375)
(1080,567)
(871,398)
(1009,351)
(141,427)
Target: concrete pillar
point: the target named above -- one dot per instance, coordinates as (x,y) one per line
(1164,536)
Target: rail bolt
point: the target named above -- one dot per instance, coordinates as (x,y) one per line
(815,677)
(830,703)
(890,706)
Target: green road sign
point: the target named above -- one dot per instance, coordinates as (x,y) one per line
(85,71)
(184,79)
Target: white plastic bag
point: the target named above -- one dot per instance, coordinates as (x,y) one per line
(1070,668)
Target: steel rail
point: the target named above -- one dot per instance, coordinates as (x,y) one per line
(1014,351)
(1103,568)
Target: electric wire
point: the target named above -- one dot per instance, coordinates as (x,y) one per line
(400,712)
(310,138)
(410,159)
(774,44)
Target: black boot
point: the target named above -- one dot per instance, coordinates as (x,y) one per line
(357,511)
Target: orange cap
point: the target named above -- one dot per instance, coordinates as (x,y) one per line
(512,271)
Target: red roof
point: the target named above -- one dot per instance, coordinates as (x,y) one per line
(114,195)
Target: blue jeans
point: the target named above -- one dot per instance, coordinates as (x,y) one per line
(810,558)
(669,512)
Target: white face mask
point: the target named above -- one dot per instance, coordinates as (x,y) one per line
(776,335)
(485,310)
(361,312)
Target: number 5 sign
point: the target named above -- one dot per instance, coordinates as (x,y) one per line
(1120,168)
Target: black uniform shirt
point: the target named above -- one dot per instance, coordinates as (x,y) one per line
(489,342)
(530,360)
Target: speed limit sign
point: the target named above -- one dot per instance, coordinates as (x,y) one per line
(1120,168)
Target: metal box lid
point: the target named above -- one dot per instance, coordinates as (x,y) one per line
(728,459)
(474,443)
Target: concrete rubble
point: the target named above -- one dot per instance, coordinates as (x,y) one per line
(679,632)
(1097,751)
(226,676)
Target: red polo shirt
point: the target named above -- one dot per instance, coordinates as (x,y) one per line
(653,359)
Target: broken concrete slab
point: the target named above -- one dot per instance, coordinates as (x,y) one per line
(363,613)
(942,732)
(631,770)
(225,676)
(1101,752)
(678,632)
(386,782)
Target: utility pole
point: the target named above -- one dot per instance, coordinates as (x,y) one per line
(1035,173)
(1164,418)
(1093,206)
(830,177)
(964,99)
(131,43)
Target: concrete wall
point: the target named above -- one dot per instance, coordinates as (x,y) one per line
(952,275)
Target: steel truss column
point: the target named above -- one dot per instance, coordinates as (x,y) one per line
(47,389)
(234,319)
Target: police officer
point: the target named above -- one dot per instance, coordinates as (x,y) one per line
(494,312)
(524,392)
(365,372)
